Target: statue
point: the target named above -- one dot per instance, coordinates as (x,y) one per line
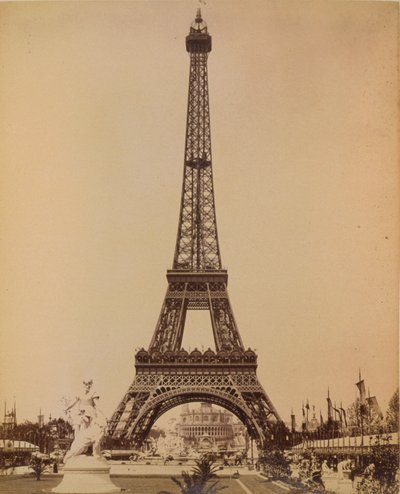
(84,473)
(88,423)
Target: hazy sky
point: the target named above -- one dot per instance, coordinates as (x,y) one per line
(304,133)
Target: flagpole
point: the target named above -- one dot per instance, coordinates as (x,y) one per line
(307,408)
(360,388)
(329,423)
(369,412)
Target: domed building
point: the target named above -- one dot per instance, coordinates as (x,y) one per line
(205,428)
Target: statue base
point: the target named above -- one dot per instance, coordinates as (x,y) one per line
(86,475)
(344,486)
(330,481)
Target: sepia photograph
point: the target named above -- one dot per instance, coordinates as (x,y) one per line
(199,265)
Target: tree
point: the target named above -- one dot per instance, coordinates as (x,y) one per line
(363,419)
(25,430)
(331,428)
(44,436)
(385,457)
(392,413)
(380,475)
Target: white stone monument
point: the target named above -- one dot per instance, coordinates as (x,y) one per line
(86,473)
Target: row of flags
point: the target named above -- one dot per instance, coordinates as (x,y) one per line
(368,406)
(336,413)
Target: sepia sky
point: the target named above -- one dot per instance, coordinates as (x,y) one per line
(304,132)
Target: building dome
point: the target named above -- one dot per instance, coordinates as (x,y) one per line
(206,428)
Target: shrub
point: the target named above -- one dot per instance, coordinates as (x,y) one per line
(196,482)
(275,464)
(39,465)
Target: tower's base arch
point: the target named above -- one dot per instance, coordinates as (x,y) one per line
(226,381)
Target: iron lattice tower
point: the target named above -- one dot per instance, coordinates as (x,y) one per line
(166,374)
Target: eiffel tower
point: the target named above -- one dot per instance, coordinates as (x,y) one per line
(166,374)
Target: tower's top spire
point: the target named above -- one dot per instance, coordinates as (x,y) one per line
(198,25)
(198,15)
(198,39)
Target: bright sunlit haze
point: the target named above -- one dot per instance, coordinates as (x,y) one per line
(305,156)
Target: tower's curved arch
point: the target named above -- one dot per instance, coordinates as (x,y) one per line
(169,399)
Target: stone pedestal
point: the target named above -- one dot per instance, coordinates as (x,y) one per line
(344,486)
(330,482)
(86,475)
(339,486)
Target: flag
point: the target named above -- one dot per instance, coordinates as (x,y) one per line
(373,406)
(329,408)
(293,420)
(304,423)
(361,388)
(307,405)
(337,412)
(344,415)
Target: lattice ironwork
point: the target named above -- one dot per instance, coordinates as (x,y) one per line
(166,374)
(180,298)
(197,245)
(249,403)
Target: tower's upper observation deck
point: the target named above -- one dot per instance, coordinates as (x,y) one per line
(198,39)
